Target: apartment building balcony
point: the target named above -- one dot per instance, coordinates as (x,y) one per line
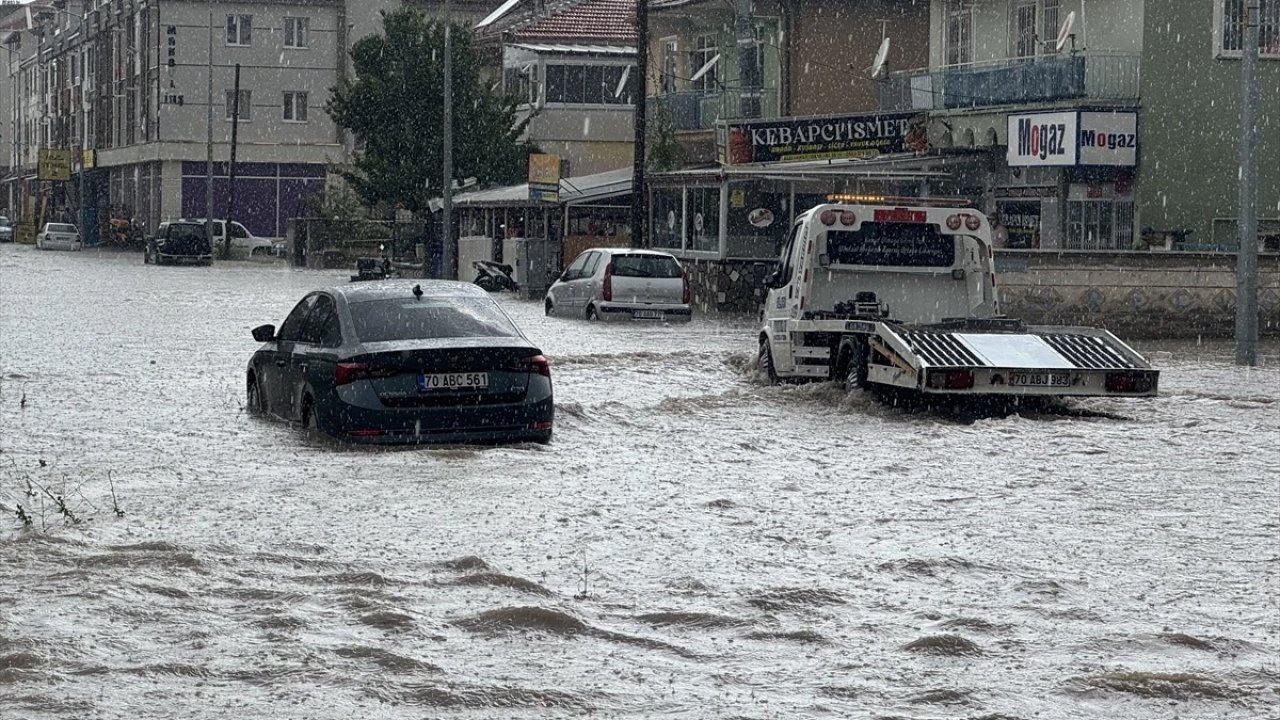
(1046,79)
(697,110)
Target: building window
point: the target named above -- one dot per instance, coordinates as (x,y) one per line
(1050,19)
(704,51)
(1022,30)
(959,36)
(670,65)
(1228,20)
(244,108)
(297,31)
(1099,225)
(295,107)
(586,84)
(239,29)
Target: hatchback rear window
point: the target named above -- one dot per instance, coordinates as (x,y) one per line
(649,266)
(429,319)
(60,228)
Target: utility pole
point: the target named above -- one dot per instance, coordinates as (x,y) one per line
(446,215)
(231,169)
(208,188)
(1247,251)
(639,188)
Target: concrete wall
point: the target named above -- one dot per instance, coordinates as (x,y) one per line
(1190,125)
(834,42)
(1135,295)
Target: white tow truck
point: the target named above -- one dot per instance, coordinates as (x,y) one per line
(900,293)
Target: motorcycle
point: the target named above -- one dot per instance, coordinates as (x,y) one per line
(493,276)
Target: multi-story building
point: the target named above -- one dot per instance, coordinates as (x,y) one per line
(1190,122)
(1010,86)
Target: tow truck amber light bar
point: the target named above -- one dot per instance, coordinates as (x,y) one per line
(950,379)
(898,200)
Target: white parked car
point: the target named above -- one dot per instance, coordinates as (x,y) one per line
(621,284)
(243,243)
(58,236)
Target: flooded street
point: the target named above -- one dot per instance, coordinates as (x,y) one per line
(692,544)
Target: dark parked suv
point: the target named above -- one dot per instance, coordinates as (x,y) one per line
(179,241)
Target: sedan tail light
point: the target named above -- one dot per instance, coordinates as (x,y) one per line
(540,365)
(345,373)
(606,290)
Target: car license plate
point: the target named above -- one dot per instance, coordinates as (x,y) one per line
(1040,379)
(453,381)
(647,314)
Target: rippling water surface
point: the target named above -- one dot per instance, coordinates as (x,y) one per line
(692,544)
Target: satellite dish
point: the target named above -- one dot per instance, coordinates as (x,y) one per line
(1065,33)
(497,14)
(877,67)
(705,68)
(622,82)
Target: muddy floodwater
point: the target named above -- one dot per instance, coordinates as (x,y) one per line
(692,544)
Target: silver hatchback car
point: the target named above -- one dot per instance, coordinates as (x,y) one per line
(621,284)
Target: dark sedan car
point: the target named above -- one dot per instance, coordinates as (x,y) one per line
(403,361)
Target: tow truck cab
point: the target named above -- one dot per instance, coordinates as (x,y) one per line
(916,264)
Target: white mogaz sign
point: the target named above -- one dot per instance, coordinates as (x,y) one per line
(1108,138)
(1073,137)
(1043,139)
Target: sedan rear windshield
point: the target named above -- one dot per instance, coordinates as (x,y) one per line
(648,266)
(429,319)
(60,228)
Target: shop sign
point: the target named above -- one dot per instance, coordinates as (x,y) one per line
(820,138)
(1109,138)
(544,178)
(1074,137)
(1043,139)
(1021,221)
(54,164)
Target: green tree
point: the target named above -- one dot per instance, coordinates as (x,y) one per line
(395,110)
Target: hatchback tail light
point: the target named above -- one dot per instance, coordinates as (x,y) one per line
(606,290)
(684,296)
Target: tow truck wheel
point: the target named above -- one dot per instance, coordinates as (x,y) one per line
(854,361)
(766,362)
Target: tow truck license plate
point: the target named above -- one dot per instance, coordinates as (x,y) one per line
(453,381)
(1040,379)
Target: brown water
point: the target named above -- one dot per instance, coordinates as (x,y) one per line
(692,544)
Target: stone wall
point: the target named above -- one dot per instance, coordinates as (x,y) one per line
(1135,295)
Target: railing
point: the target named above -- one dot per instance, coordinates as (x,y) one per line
(701,110)
(1090,76)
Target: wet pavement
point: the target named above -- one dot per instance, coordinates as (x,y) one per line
(692,544)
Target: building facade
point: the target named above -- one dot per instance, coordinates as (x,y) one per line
(1189,178)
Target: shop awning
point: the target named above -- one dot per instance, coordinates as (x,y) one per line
(573,191)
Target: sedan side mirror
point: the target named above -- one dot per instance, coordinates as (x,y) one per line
(264,333)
